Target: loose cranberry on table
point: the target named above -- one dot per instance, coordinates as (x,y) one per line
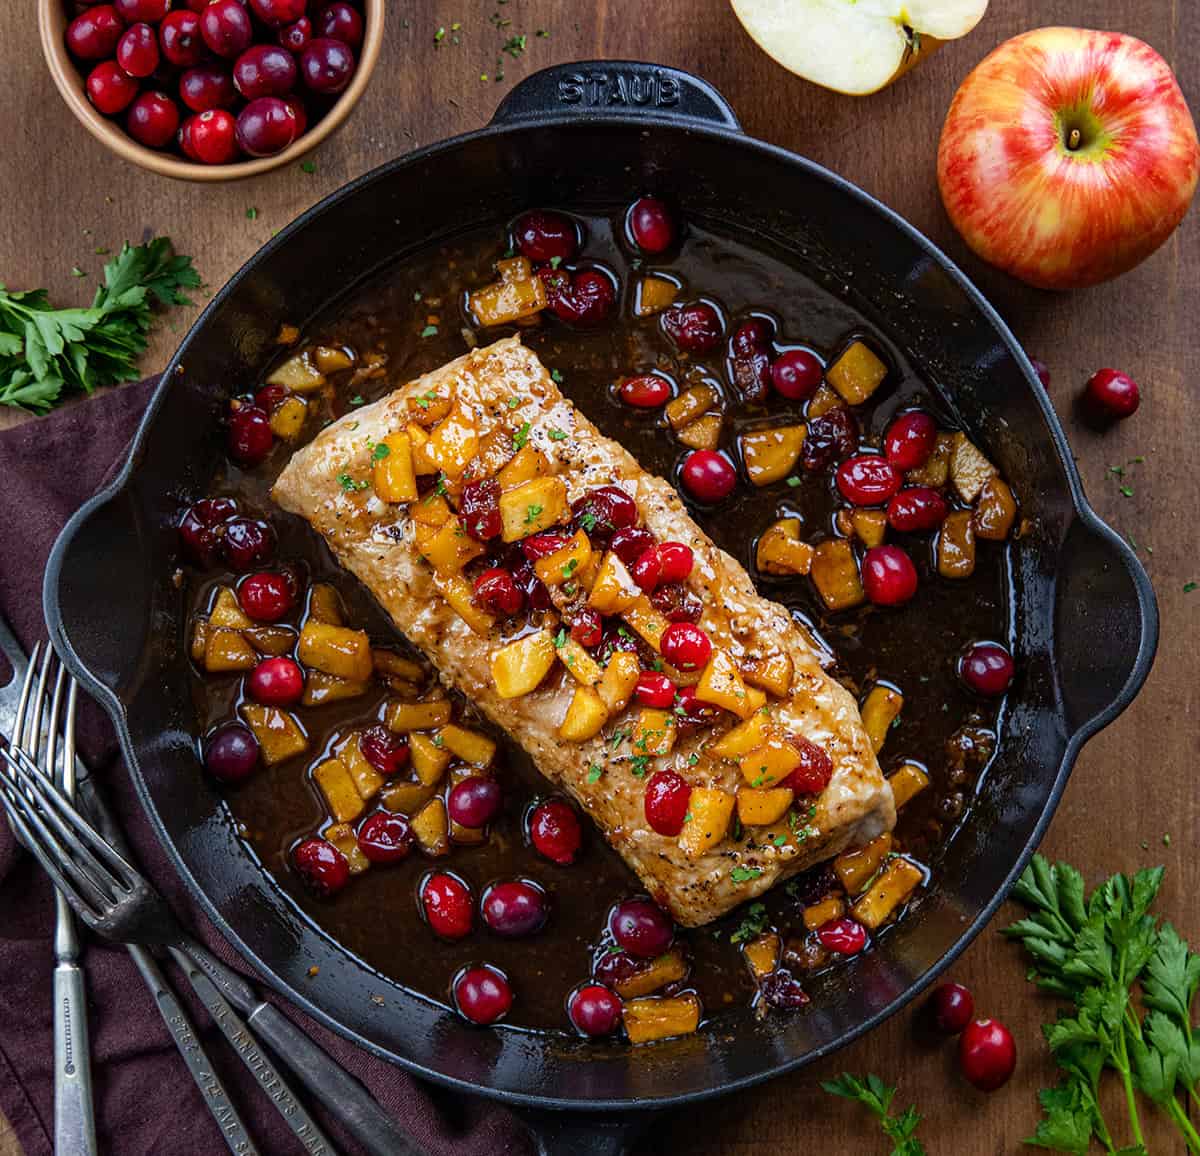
(264,70)
(482,994)
(276,682)
(917,509)
(266,597)
(987,1054)
(694,328)
(910,439)
(322,866)
(750,356)
(278,12)
(603,510)
(647,569)
(180,38)
(843,936)
(584,299)
(951,1007)
(796,374)
(295,36)
(828,439)
(685,646)
(326,65)
(629,543)
(231,753)
(587,628)
(226,27)
(202,527)
(340,21)
(267,126)
(667,797)
(249,438)
(447,904)
(211,138)
(646,391)
(207,86)
(515,908)
(94,33)
(594,1010)
(651,225)
(1111,395)
(475,801)
(888,576)
(497,592)
(247,542)
(676,603)
(708,476)
(542,235)
(654,689)
(641,928)
(814,770)
(110,88)
(555,832)
(987,668)
(153,120)
(151,11)
(868,479)
(386,751)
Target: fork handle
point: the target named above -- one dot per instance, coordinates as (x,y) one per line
(74,1122)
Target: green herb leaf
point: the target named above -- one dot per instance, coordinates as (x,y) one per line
(753,924)
(429,331)
(874,1095)
(521,436)
(745,874)
(594,773)
(380,452)
(557,435)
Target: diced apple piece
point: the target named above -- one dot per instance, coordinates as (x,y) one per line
(780,551)
(870,526)
(770,763)
(654,294)
(199,640)
(426,410)
(936,470)
(390,664)
(330,359)
(280,736)
(575,658)
(342,836)
(818,914)
(857,867)
(655,974)
(702,434)
(969,468)
(470,746)
(822,401)
(619,681)
(403,717)
(288,417)
(272,640)
(526,464)
(995,511)
(341,795)
(405,798)
(707,820)
(647,621)
(453,442)
(567,563)
(585,716)
(533,507)
(520,666)
(956,546)
(321,688)
(431,510)
(835,575)
(896,883)
(325,604)
(761,808)
(654,732)
(907,781)
(423,464)
(771,454)
(755,699)
(881,708)
(614,590)
(762,954)
(653,1018)
(459,593)
(857,373)
(299,374)
(392,469)
(742,738)
(693,402)
(227,612)
(367,780)
(431,828)
(772,673)
(721,684)
(516,295)
(226,651)
(336,650)
(429,758)
(449,548)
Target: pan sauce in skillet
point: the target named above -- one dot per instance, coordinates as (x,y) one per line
(414,316)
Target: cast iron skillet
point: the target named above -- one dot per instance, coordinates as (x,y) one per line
(590,135)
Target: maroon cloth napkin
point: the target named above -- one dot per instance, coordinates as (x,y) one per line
(145,1100)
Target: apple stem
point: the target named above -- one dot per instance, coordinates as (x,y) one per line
(1074,139)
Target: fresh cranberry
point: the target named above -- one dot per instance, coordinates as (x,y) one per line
(952,1007)
(385,837)
(650,225)
(543,236)
(195,5)
(267,126)
(647,569)
(153,120)
(796,374)
(630,543)
(868,479)
(110,88)
(515,908)
(987,1054)
(340,21)
(264,70)
(322,866)
(532,588)
(843,936)
(613,966)
(814,770)
(496,592)
(212,140)
(447,904)
(385,751)
(295,36)
(584,299)
(829,438)
(676,561)
(248,542)
(199,532)
(555,832)
(667,797)
(647,391)
(685,646)
(326,65)
(987,668)
(676,603)
(482,994)
(655,689)
(276,682)
(180,38)
(250,438)
(750,358)
(600,511)
(587,628)
(594,1010)
(641,927)
(782,991)
(1041,369)
(278,12)
(751,336)
(691,712)
(474,801)
(910,439)
(207,86)
(94,33)
(1111,395)
(538,546)
(226,28)
(917,509)
(150,11)
(231,753)
(265,596)
(694,328)
(299,111)
(888,575)
(708,476)
(479,509)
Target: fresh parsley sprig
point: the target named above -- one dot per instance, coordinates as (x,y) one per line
(877,1097)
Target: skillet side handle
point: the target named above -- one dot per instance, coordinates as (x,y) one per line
(1105,625)
(581,1134)
(616,87)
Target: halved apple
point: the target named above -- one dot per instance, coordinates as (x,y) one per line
(855,46)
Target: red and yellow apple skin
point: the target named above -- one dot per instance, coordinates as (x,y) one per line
(1068,156)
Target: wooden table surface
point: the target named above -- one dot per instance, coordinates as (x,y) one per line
(1132,800)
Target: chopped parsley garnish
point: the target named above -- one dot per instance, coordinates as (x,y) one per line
(427,399)
(793,481)
(521,436)
(753,924)
(555,262)
(417,295)
(619,736)
(349,485)
(556,377)
(638,765)
(1127,491)
(440,487)
(557,435)
(438,741)
(745,874)
(560,639)
(569,568)
(513,402)
(587,522)
(594,773)
(381,451)
(252,214)
(308,166)
(1188,587)
(531,513)
(429,331)
(779,841)
(693,759)
(358,399)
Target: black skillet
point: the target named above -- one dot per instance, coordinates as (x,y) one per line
(588,135)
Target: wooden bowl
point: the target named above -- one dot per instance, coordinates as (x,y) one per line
(68,76)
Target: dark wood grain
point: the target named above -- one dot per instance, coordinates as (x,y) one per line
(63,196)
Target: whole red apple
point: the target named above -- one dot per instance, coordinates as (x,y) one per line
(1068,156)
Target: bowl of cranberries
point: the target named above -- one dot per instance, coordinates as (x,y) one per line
(211,90)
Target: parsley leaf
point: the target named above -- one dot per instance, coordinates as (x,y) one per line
(521,436)
(380,452)
(557,435)
(753,924)
(594,773)
(876,1097)
(745,874)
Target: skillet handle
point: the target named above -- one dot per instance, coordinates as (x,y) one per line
(615,87)
(581,1134)
(1105,625)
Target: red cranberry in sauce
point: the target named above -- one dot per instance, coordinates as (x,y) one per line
(685,646)
(264,70)
(278,12)
(295,36)
(249,437)
(829,438)
(594,1010)
(533,589)
(180,38)
(654,689)
(587,301)
(666,801)
(555,832)
(602,510)
(212,140)
(641,927)
(226,28)
(515,908)
(987,1054)
(267,126)
(266,597)
(587,628)
(952,1007)
(198,528)
(321,865)
(651,225)
(326,65)
(843,936)
(796,374)
(917,509)
(888,575)
(629,543)
(910,439)
(385,837)
(340,21)
(708,476)
(1111,395)
(676,602)
(614,966)
(231,753)
(987,668)
(751,336)
(474,802)
(151,11)
(694,328)
(94,33)
(385,751)
(247,543)
(676,561)
(750,359)
(782,991)
(482,994)
(647,391)
(691,712)
(276,682)
(1043,372)
(647,569)
(153,120)
(868,479)
(207,86)
(813,771)
(447,904)
(496,592)
(110,88)
(479,509)
(542,235)
(538,546)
